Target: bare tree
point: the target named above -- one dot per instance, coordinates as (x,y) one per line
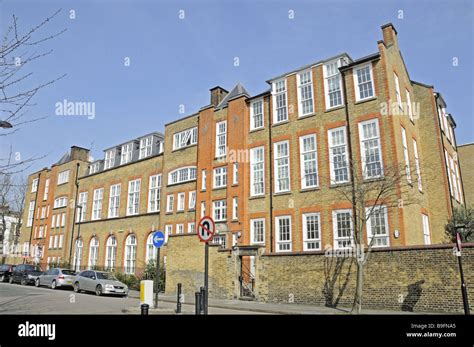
(17,52)
(368,198)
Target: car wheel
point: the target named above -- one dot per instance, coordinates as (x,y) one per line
(53,284)
(98,290)
(11,280)
(37,282)
(2,279)
(23,282)
(76,288)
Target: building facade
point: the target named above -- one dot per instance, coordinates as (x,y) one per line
(268,168)
(466,158)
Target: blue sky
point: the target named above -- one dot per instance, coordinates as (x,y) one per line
(176,61)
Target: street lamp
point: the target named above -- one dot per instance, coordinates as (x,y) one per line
(465,300)
(5,125)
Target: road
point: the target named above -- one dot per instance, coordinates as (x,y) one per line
(18,299)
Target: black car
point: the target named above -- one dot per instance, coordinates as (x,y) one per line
(25,274)
(6,271)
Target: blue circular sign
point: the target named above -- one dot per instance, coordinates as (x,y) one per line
(158,239)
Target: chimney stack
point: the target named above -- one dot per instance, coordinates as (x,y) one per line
(389,34)
(217,94)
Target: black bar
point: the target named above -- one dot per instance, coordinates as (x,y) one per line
(157,285)
(206,278)
(178,302)
(197,303)
(144,309)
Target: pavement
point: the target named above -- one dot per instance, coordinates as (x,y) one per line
(255,307)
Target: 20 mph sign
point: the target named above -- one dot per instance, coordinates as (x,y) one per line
(206,229)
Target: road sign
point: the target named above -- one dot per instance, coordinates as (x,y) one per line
(158,239)
(206,229)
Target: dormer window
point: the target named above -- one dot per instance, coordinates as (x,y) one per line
(146,147)
(109,159)
(94,168)
(127,151)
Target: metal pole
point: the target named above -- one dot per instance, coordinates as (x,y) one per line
(465,299)
(197,303)
(206,278)
(144,309)
(157,277)
(178,303)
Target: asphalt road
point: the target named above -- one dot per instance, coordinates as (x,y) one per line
(18,299)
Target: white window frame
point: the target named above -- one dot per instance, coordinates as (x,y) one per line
(82,201)
(337,238)
(425,219)
(397,91)
(282,161)
(46,189)
(409,105)
(168,231)
(303,161)
(151,250)
(34,185)
(417,165)
(358,83)
(63,219)
(146,147)
(329,76)
(179,229)
(203,208)
(31,214)
(235,173)
(220,177)
(371,213)
(219,210)
(133,197)
(130,258)
(279,90)
(257,168)
(221,139)
(180,205)
(305,87)
(154,193)
(406,156)
(279,241)
(93,252)
(191,227)
(235,208)
(257,115)
(63,177)
(111,253)
(109,160)
(169,203)
(368,147)
(126,153)
(185,138)
(182,175)
(253,231)
(97,200)
(114,200)
(308,242)
(203,180)
(192,200)
(333,146)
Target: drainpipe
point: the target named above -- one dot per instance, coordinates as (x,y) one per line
(270,161)
(349,145)
(34,213)
(75,210)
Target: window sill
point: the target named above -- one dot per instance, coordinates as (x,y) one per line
(307,116)
(338,185)
(235,185)
(280,123)
(282,193)
(257,197)
(219,188)
(180,211)
(372,98)
(335,108)
(234,221)
(256,130)
(312,189)
(183,148)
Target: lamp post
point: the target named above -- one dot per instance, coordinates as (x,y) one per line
(79,207)
(465,299)
(5,125)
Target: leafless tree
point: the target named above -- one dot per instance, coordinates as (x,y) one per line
(18,50)
(367,197)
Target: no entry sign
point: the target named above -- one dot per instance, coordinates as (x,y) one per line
(206,229)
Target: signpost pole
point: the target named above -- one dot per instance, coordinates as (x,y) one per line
(206,277)
(465,299)
(157,276)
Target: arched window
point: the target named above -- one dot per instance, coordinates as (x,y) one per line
(111,254)
(130,254)
(150,249)
(77,255)
(93,253)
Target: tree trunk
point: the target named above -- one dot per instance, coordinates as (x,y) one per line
(357,305)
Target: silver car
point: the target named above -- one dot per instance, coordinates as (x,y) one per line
(56,277)
(99,282)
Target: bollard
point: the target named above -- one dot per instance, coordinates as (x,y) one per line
(178,302)
(144,309)
(203,300)
(197,303)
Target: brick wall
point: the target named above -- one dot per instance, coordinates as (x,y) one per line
(466,160)
(404,279)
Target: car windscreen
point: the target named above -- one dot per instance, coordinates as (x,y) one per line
(32,268)
(105,276)
(68,272)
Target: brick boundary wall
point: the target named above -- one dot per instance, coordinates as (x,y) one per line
(417,279)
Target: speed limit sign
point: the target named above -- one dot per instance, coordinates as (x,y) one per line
(206,229)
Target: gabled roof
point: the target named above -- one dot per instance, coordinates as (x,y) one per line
(236,92)
(64,159)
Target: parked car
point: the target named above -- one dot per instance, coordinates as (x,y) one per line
(6,271)
(99,282)
(56,277)
(25,274)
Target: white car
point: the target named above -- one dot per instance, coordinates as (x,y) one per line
(100,283)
